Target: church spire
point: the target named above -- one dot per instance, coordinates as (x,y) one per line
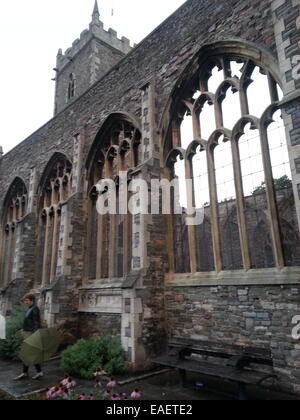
(96,14)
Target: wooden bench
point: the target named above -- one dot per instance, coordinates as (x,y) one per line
(233,363)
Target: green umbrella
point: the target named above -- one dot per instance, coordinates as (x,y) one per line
(40,346)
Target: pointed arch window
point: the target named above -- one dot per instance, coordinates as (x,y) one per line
(109,241)
(15,209)
(230,106)
(54,190)
(71,87)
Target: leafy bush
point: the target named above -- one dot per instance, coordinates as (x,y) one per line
(10,348)
(279,184)
(86,356)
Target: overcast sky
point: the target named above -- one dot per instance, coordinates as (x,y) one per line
(32,31)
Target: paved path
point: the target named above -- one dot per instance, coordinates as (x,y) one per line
(162,387)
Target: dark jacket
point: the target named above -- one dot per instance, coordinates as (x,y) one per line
(32,319)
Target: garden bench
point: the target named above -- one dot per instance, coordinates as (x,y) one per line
(242,365)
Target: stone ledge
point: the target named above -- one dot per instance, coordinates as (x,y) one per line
(267,277)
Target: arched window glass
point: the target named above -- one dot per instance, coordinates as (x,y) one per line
(207,120)
(55,188)
(258,93)
(186,131)
(251,161)
(205,257)
(256,205)
(227,210)
(246,188)
(109,240)
(224,171)
(231,109)
(15,208)
(217,77)
(71,86)
(282,179)
(278,148)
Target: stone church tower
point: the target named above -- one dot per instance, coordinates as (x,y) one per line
(90,57)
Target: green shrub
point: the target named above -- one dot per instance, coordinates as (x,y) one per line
(10,348)
(86,356)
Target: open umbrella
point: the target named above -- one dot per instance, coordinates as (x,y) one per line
(40,346)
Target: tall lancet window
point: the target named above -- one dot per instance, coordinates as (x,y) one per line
(15,208)
(71,87)
(227,128)
(54,191)
(109,241)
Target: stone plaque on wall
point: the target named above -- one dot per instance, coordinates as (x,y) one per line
(100,301)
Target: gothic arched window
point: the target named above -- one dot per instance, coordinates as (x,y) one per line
(54,190)
(241,172)
(71,86)
(15,208)
(109,247)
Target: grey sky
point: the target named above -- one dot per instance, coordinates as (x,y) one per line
(31,33)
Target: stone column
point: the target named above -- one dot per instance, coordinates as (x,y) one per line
(286,17)
(32,191)
(143,309)
(77,163)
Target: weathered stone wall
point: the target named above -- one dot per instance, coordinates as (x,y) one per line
(154,305)
(256,316)
(163,55)
(90,324)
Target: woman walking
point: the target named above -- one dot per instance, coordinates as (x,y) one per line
(31,324)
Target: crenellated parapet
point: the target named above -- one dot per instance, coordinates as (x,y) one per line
(97,31)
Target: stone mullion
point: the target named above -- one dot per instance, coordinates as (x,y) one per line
(196,125)
(169,220)
(46,250)
(88,241)
(54,249)
(176,135)
(191,228)
(99,252)
(126,243)
(7,254)
(241,209)
(271,197)
(12,252)
(273,88)
(112,245)
(214,211)
(14,215)
(218,113)
(244,102)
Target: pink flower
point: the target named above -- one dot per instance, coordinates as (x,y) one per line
(53,393)
(65,381)
(107,394)
(112,383)
(115,397)
(136,394)
(91,397)
(71,383)
(82,397)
